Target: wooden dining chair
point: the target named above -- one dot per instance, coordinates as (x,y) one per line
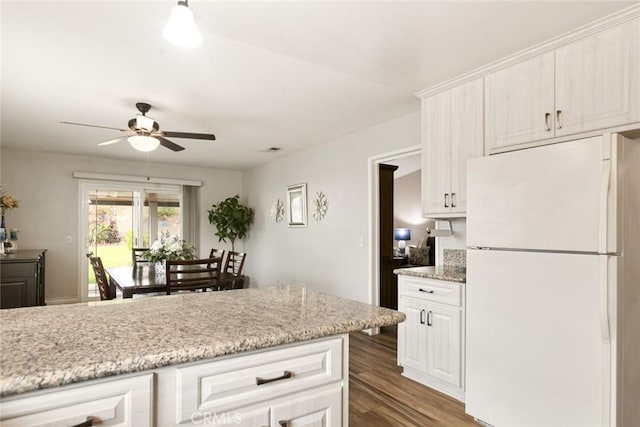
(217,253)
(193,274)
(232,277)
(106,288)
(136,255)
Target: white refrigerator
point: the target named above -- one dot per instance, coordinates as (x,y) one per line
(553,285)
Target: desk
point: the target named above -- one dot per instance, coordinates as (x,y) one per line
(141,279)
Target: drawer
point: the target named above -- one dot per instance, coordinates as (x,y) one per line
(124,402)
(431,290)
(18,270)
(219,386)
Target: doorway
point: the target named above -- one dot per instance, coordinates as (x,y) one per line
(116,217)
(374,216)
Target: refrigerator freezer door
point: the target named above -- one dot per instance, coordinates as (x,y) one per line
(544,198)
(534,341)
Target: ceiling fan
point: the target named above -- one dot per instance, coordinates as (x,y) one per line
(145,133)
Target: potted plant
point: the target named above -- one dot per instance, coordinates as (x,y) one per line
(231,219)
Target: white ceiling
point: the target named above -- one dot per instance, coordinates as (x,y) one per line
(286,74)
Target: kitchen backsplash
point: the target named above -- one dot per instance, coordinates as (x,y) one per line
(455,257)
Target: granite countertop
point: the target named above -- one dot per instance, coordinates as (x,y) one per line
(42,347)
(439,272)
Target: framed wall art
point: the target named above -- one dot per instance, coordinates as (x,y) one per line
(297,205)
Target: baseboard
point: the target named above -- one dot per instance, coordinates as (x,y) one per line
(62,300)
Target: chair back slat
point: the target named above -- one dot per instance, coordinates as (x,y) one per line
(136,255)
(193,274)
(105,287)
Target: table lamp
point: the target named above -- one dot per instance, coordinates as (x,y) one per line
(402,235)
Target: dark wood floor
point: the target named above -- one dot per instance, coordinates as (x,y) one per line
(380,396)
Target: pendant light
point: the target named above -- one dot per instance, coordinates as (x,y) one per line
(181,28)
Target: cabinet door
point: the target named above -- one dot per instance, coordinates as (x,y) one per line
(316,409)
(412,336)
(436,153)
(598,81)
(520,103)
(467,137)
(444,349)
(122,402)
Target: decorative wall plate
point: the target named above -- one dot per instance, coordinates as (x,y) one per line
(319,206)
(277,210)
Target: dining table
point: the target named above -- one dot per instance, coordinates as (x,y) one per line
(141,278)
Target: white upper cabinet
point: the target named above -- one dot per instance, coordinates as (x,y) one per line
(519,102)
(590,84)
(436,152)
(598,81)
(452,133)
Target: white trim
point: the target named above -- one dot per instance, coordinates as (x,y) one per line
(584,31)
(374,220)
(133,178)
(62,300)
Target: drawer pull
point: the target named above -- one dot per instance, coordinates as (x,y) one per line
(284,376)
(88,423)
(429,291)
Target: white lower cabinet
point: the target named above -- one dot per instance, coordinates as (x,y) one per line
(431,339)
(119,402)
(303,384)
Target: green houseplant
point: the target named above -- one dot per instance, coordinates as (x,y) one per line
(231,219)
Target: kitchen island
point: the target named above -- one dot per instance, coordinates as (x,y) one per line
(236,353)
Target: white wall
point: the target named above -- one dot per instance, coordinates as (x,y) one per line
(407,206)
(48,211)
(326,254)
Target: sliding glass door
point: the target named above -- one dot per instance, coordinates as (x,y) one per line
(117,217)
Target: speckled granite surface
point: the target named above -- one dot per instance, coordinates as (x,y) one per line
(439,272)
(455,257)
(43,347)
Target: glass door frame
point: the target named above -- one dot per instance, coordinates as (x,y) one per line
(139,191)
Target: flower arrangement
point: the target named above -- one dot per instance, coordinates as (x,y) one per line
(169,248)
(7,201)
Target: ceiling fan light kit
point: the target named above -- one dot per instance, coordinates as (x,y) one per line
(143,143)
(181,28)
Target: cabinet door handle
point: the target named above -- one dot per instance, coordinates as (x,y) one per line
(446,200)
(88,423)
(453,200)
(422,317)
(429,318)
(547,126)
(285,375)
(558,121)
(429,291)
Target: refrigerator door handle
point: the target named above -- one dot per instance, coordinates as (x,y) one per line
(604,299)
(604,205)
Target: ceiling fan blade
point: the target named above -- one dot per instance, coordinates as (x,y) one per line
(189,135)
(168,144)
(94,126)
(113,141)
